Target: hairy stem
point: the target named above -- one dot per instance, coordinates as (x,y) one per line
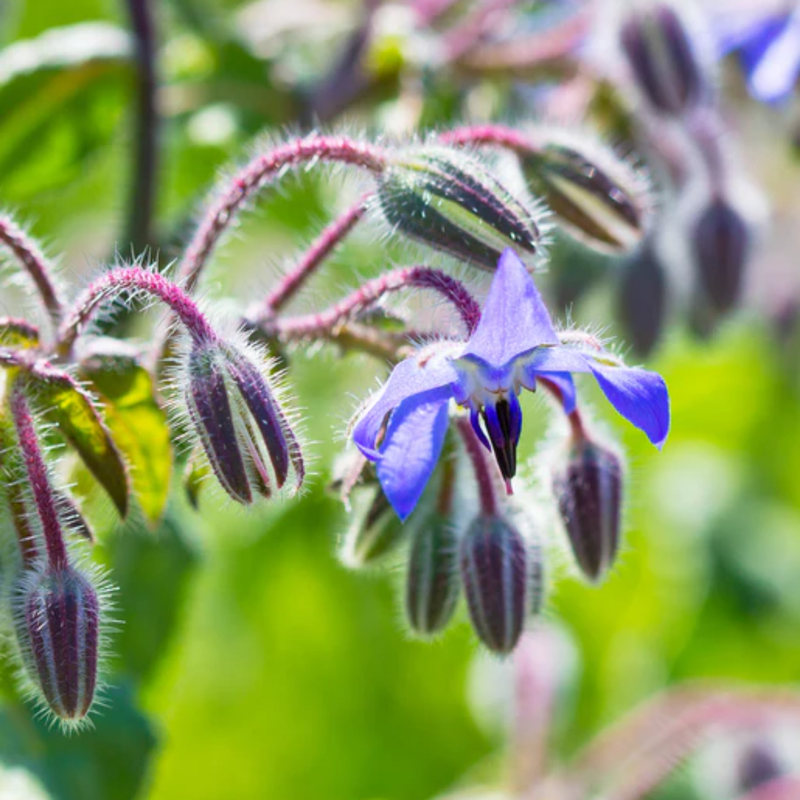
(262,169)
(322,247)
(480,464)
(419,277)
(144,163)
(492,135)
(123,279)
(39,480)
(35,264)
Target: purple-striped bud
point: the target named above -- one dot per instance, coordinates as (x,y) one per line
(451,202)
(432,582)
(665,60)
(596,196)
(589,494)
(721,242)
(536,579)
(57,617)
(758,764)
(494,571)
(643,300)
(243,430)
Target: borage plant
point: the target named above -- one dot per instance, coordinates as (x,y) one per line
(455,394)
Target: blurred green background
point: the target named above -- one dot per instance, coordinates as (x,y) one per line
(249,662)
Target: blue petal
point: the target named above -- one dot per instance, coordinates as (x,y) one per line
(772,78)
(639,396)
(514,318)
(414,441)
(565,385)
(408,379)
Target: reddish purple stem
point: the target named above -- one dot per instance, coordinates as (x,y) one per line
(493,135)
(34,262)
(133,278)
(480,464)
(420,277)
(322,247)
(38,478)
(260,170)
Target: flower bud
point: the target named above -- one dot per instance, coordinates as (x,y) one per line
(664,60)
(721,242)
(432,580)
(598,198)
(376,530)
(643,300)
(536,579)
(589,494)
(57,623)
(243,430)
(758,764)
(494,571)
(451,202)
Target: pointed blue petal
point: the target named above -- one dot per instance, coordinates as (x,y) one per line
(639,396)
(408,379)
(414,441)
(514,318)
(772,78)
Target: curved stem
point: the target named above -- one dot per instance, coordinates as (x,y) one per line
(43,496)
(322,247)
(142,200)
(137,279)
(420,277)
(35,264)
(492,135)
(222,213)
(480,464)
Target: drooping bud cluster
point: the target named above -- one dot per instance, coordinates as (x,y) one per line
(243,430)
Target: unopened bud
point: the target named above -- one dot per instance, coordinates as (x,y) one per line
(57,625)
(643,300)
(494,572)
(721,242)
(376,530)
(432,583)
(451,202)
(536,579)
(596,195)
(664,60)
(243,430)
(589,494)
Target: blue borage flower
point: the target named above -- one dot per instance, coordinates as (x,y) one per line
(513,347)
(768,43)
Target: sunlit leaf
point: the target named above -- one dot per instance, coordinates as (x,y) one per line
(61,96)
(79,422)
(138,425)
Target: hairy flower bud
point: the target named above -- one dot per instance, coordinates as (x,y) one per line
(589,494)
(597,197)
(376,531)
(494,571)
(450,201)
(643,299)
(664,59)
(721,242)
(536,579)
(243,430)
(57,617)
(432,581)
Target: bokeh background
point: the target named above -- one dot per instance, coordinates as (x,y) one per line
(250,663)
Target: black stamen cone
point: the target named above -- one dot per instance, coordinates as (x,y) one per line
(503,438)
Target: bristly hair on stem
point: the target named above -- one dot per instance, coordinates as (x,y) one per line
(368,294)
(34,262)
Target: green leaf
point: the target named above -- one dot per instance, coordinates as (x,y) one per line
(138,425)
(61,96)
(18,333)
(107,761)
(64,403)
